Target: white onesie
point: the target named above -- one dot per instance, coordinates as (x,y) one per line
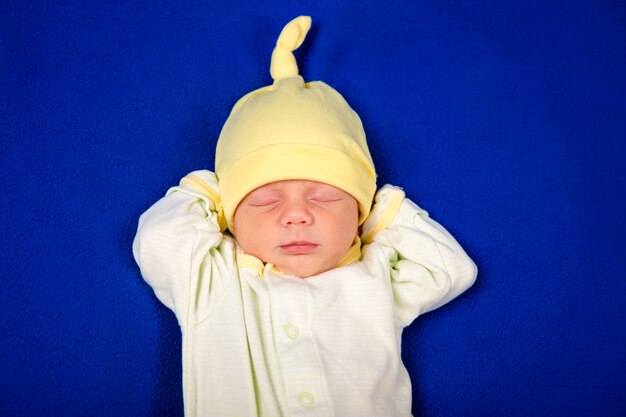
(260,343)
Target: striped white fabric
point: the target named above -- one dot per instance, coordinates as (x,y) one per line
(258,343)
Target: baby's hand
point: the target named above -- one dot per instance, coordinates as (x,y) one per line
(205,183)
(387,202)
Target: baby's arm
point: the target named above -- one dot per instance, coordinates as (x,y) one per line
(428,266)
(180,247)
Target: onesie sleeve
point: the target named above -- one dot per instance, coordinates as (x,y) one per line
(428,268)
(181,249)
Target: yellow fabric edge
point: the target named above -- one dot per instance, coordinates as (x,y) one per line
(197,183)
(280,162)
(386,218)
(353,255)
(249,261)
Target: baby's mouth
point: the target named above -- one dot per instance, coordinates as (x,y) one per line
(299,247)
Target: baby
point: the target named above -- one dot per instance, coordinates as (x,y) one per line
(291,277)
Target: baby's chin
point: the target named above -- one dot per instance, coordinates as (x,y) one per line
(303,269)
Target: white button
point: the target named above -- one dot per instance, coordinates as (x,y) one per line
(306,399)
(292,331)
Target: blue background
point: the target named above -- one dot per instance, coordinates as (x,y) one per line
(506,121)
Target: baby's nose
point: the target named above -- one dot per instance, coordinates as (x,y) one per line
(296,214)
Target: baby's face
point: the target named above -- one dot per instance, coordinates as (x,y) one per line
(303,227)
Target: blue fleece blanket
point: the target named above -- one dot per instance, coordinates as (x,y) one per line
(505,120)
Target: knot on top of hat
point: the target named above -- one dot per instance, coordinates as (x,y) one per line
(283,61)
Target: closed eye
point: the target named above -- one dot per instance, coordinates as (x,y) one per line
(263,203)
(325,199)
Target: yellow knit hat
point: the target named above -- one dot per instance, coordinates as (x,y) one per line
(293,130)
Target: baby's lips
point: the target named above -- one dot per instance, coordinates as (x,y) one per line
(301,246)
